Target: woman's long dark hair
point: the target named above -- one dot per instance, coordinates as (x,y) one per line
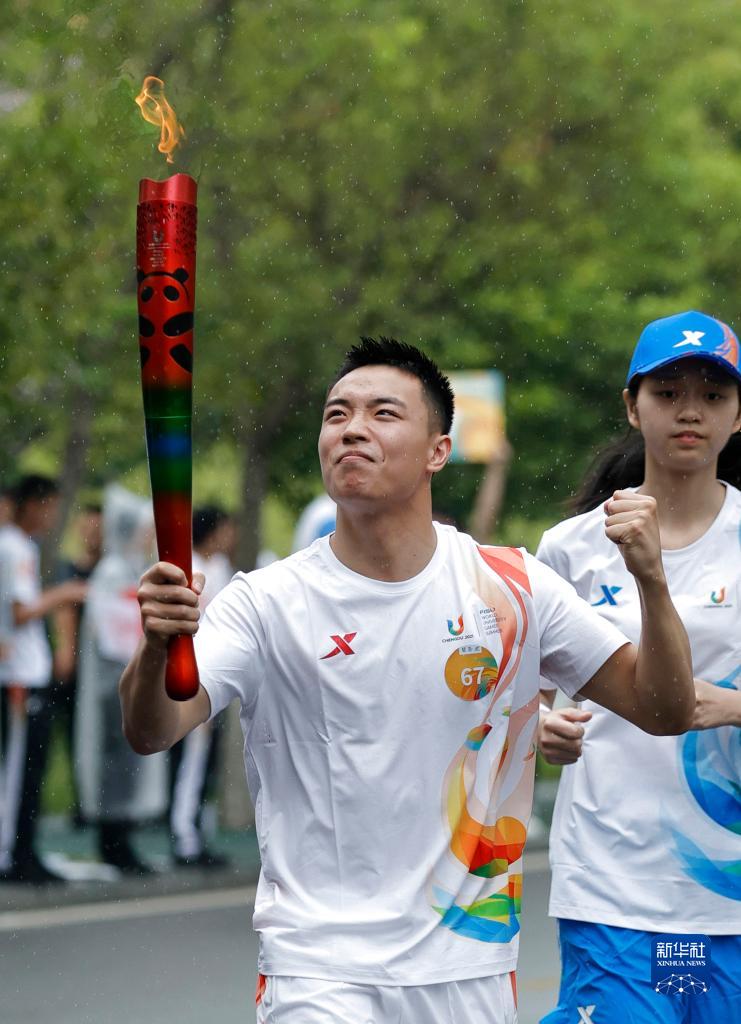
(622,464)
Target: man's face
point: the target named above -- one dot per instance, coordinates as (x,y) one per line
(40,515)
(224,538)
(379,443)
(91,531)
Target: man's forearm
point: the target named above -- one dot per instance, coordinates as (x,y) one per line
(169,607)
(730,702)
(665,690)
(717,705)
(150,719)
(47,602)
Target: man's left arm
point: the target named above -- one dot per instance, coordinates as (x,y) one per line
(650,685)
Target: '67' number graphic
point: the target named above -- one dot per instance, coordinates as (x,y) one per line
(471,672)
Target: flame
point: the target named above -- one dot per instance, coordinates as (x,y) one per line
(154,107)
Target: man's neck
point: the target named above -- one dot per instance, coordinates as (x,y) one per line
(391,547)
(687,503)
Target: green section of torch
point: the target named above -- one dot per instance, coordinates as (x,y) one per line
(168,425)
(168,401)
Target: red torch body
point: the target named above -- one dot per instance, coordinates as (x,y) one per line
(166,276)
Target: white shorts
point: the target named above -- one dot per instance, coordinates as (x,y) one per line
(282,1000)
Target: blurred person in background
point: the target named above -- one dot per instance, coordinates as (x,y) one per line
(193,760)
(490,493)
(118,789)
(25,674)
(7,508)
(645,834)
(318,519)
(88,537)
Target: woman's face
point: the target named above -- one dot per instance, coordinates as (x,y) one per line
(686,412)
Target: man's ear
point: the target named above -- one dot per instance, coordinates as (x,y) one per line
(440,453)
(631,409)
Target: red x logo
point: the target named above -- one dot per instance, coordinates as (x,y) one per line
(342,645)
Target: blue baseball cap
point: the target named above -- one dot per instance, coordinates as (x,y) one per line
(682,336)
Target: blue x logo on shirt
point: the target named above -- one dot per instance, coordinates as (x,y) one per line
(608,596)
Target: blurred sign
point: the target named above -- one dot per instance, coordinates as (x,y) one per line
(478,426)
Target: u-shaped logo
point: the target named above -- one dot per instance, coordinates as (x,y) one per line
(452,629)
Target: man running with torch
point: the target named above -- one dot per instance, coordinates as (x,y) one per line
(388,678)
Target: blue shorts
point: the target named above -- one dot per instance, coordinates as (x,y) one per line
(606,977)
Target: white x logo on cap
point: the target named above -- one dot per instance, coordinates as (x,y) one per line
(691,338)
(585,1013)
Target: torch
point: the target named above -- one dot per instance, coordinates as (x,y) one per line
(166,277)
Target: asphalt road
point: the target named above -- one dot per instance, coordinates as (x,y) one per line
(185,958)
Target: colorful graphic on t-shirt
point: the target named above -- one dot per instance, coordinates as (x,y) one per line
(455,630)
(711,761)
(487,798)
(471,672)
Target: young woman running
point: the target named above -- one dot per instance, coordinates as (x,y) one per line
(645,840)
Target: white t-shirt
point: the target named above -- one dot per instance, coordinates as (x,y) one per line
(29,657)
(644,831)
(389,733)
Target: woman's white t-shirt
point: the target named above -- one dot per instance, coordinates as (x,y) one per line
(646,830)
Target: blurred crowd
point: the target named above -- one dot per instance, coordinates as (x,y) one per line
(62,651)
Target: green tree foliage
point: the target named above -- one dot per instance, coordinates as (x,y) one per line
(516,185)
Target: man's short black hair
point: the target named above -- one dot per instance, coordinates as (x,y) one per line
(34,487)
(206,519)
(390,352)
